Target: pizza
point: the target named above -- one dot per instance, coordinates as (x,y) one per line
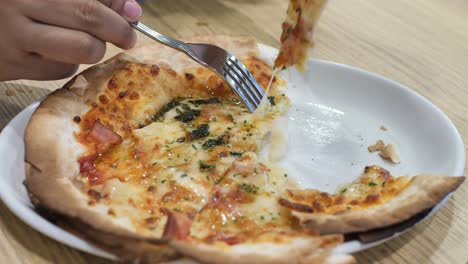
(153,158)
(297,29)
(374,200)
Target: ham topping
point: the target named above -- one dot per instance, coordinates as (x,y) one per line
(178,226)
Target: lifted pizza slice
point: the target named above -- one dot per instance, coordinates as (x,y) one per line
(296,38)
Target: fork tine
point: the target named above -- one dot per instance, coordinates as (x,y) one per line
(243,84)
(247,86)
(258,91)
(239,90)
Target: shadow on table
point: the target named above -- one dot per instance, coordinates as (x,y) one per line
(418,231)
(16,232)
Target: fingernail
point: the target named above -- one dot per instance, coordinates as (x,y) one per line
(132,10)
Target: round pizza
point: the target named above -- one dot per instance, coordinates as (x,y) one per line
(152,157)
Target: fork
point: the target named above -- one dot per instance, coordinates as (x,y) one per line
(223,63)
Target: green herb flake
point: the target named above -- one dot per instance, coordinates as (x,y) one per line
(214,142)
(235,154)
(183,175)
(262,217)
(188,114)
(372,184)
(201,132)
(163,181)
(383,183)
(285,175)
(219,180)
(193,146)
(344,190)
(168,107)
(199,102)
(207,167)
(272,100)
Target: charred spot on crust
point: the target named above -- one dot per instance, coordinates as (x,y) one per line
(296,206)
(103,99)
(123,94)
(112,84)
(77,119)
(134,96)
(155,70)
(95,195)
(189,76)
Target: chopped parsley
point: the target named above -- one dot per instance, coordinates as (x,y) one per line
(344,190)
(235,154)
(219,180)
(383,183)
(249,188)
(372,184)
(200,132)
(285,175)
(206,167)
(212,100)
(168,107)
(188,114)
(193,146)
(272,100)
(163,181)
(183,175)
(214,142)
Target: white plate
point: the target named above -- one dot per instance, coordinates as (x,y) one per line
(337,113)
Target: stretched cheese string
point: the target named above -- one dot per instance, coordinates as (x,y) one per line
(260,112)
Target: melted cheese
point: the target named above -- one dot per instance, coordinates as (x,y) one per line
(195,155)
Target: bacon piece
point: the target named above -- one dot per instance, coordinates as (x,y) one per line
(104,135)
(296,206)
(87,163)
(178,226)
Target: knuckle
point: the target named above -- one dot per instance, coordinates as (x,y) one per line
(65,71)
(86,13)
(91,50)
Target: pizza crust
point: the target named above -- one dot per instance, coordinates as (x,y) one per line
(298,251)
(423,193)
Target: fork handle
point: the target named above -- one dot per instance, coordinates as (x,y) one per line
(173,43)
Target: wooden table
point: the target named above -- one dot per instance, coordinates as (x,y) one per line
(420,43)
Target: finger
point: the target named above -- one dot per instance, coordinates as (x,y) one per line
(84,15)
(63,45)
(129,9)
(37,68)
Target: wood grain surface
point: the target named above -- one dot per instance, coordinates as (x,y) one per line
(420,43)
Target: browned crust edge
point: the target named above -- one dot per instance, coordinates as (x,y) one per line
(424,193)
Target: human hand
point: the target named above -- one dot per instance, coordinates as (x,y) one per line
(47,39)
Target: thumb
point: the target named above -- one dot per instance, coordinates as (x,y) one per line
(131,10)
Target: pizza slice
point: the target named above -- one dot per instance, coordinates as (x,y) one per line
(374,200)
(296,38)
